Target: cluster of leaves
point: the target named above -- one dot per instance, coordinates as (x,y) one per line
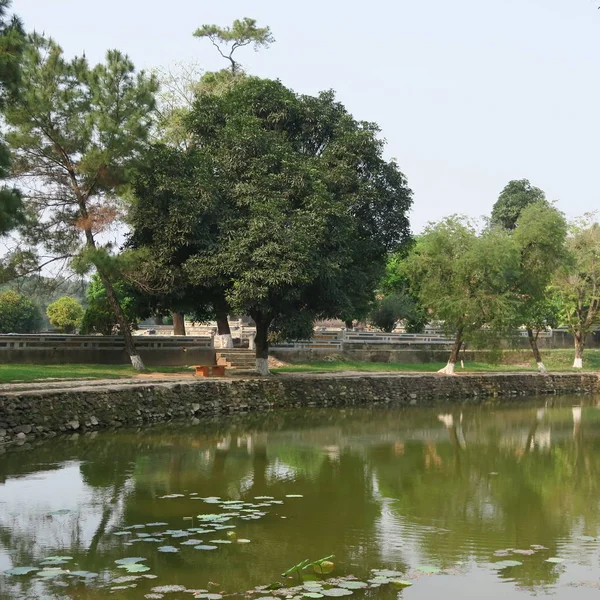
(65,313)
(18,314)
(99,316)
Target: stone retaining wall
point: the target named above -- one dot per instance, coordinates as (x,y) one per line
(43,413)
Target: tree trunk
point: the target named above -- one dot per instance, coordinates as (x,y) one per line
(449,368)
(178,323)
(536,351)
(134,357)
(349,323)
(579,345)
(223,330)
(158,320)
(262,344)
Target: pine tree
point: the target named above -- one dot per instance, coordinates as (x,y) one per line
(76,133)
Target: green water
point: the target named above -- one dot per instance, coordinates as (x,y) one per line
(380,489)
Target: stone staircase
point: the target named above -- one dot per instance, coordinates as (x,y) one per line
(240,359)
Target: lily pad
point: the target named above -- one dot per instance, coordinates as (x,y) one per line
(311,595)
(294,496)
(524,552)
(243,541)
(51,572)
(172,496)
(84,574)
(401,583)
(126,579)
(205,547)
(158,524)
(166,589)
(20,570)
(135,568)
(168,549)
(386,573)
(353,585)
(264,497)
(208,596)
(555,560)
(122,532)
(191,542)
(130,560)
(220,541)
(586,538)
(336,592)
(67,558)
(379,580)
(429,569)
(504,564)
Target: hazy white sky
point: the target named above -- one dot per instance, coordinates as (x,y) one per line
(469,93)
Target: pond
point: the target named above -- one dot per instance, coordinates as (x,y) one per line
(456,502)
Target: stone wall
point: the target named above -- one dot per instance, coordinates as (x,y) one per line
(43,413)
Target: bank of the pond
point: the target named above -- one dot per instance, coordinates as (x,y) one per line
(42,412)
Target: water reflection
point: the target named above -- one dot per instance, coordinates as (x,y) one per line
(387,488)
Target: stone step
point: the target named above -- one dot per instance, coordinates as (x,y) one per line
(236,358)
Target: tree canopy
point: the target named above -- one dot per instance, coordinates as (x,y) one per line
(576,283)
(65,313)
(18,314)
(465,279)
(540,236)
(77,131)
(283,203)
(512,200)
(11,48)
(243,32)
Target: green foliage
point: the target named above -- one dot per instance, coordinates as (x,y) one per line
(99,316)
(512,200)
(65,313)
(540,236)
(284,203)
(576,284)
(242,33)
(390,309)
(77,130)
(464,278)
(11,47)
(18,314)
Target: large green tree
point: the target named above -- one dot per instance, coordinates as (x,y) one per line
(286,206)
(465,279)
(11,47)
(576,284)
(540,236)
(515,196)
(76,131)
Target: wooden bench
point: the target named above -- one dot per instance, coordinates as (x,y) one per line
(209,370)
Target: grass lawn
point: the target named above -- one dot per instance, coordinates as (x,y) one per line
(14,373)
(555,360)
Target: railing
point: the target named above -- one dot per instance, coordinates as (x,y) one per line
(113,342)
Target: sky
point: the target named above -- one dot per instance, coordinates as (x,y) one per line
(469,94)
